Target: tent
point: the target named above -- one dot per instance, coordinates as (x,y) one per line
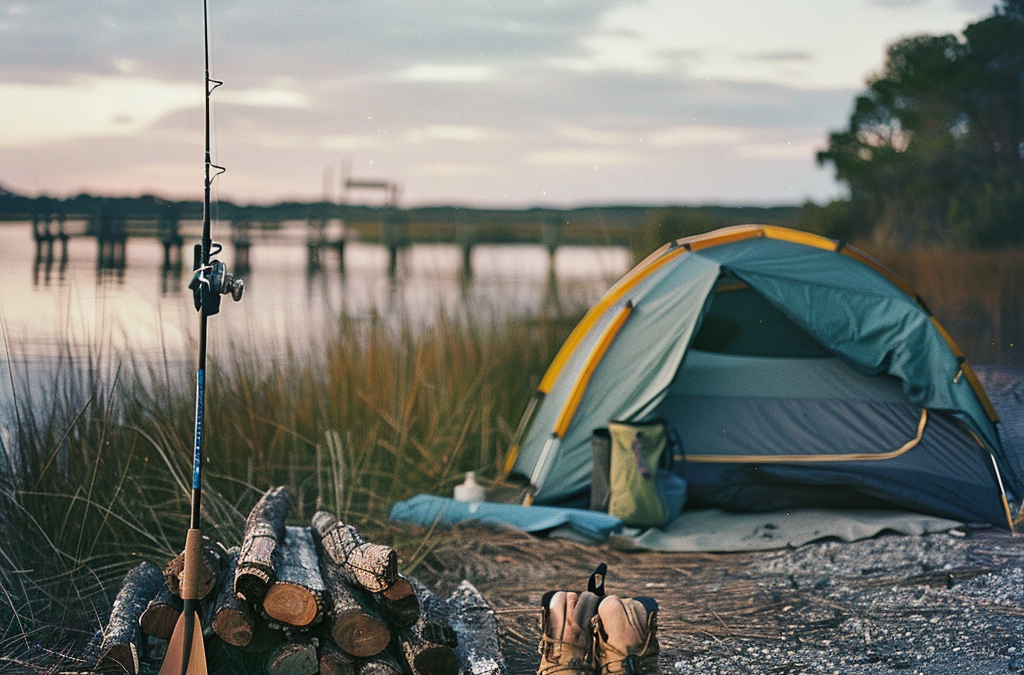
(797,372)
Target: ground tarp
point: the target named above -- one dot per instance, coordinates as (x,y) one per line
(710,530)
(427,510)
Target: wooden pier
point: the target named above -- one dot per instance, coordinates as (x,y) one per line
(324,229)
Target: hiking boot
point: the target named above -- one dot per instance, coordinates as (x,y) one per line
(625,633)
(567,640)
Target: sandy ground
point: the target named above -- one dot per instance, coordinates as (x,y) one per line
(946,603)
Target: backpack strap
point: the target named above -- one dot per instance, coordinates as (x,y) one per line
(674,448)
(596,583)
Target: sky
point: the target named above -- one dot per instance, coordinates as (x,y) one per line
(500,103)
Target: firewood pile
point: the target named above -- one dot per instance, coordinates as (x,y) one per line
(306,600)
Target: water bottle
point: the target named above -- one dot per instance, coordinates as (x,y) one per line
(470,490)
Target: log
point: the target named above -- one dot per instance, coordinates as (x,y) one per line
(120,647)
(205,610)
(232,619)
(428,644)
(371,566)
(356,626)
(336,661)
(398,603)
(433,623)
(210,564)
(297,596)
(161,614)
(473,620)
(385,663)
(293,658)
(264,528)
(424,657)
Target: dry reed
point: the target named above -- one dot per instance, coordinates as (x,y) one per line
(97,460)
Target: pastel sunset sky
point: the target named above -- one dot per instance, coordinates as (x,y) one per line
(507,103)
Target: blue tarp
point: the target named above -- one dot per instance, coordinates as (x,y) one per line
(426,510)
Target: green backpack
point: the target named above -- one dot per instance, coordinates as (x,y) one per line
(643,491)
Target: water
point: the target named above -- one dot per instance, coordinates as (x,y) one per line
(141,311)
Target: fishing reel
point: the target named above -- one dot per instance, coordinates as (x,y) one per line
(209,282)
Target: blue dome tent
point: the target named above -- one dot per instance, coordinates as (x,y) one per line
(796,371)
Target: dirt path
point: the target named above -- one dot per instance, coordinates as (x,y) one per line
(949,603)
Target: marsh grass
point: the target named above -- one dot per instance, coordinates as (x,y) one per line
(977,295)
(97,456)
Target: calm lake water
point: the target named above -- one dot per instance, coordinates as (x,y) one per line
(146,313)
(143,311)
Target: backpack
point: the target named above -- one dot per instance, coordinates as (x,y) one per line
(643,491)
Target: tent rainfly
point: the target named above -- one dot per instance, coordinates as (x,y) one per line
(797,372)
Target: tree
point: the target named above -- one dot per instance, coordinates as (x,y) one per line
(934,151)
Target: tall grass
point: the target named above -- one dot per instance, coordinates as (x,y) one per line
(97,457)
(977,295)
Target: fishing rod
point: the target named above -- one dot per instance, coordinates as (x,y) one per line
(186,653)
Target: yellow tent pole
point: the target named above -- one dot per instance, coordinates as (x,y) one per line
(572,402)
(616,293)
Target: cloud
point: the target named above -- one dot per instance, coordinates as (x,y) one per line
(43,39)
(447,132)
(40,113)
(430,72)
(793,55)
(683,136)
(591,136)
(350,142)
(91,106)
(803,149)
(452,169)
(264,98)
(454,97)
(580,157)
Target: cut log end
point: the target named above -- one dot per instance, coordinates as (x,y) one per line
(232,618)
(291,603)
(233,627)
(293,658)
(252,585)
(399,603)
(436,660)
(211,559)
(399,589)
(333,661)
(161,614)
(360,634)
(159,621)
